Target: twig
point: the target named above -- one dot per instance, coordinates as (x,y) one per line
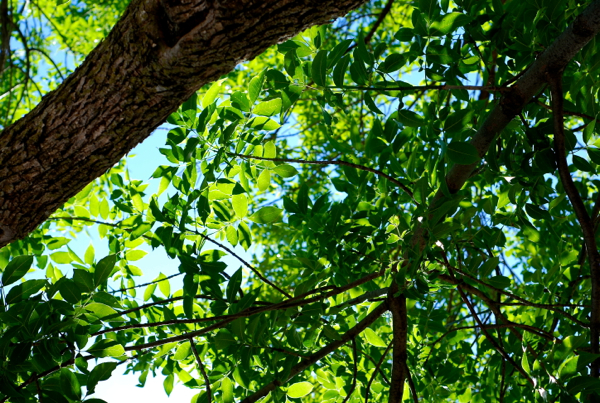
(248,265)
(355,371)
(201,369)
(411,385)
(314,358)
(386,10)
(489,337)
(399,319)
(585,222)
(377,368)
(334,162)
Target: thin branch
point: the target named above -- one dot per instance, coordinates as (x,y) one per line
(489,337)
(585,222)
(248,265)
(399,318)
(549,307)
(377,368)
(334,162)
(314,358)
(202,370)
(355,371)
(411,385)
(443,87)
(386,10)
(293,302)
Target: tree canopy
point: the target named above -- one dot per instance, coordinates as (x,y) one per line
(417,183)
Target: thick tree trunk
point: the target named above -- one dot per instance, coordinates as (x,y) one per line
(158,54)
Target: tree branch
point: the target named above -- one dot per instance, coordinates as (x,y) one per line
(201,370)
(334,162)
(314,358)
(585,222)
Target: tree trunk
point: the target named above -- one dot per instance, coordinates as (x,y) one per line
(158,54)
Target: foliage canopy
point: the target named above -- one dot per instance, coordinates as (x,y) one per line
(326,157)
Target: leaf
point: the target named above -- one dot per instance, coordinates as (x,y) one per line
(338,52)
(234,285)
(211,94)
(255,86)
(285,171)
(24,290)
(373,338)
(568,368)
(264,180)
(449,23)
(267,215)
(240,205)
(183,351)
(227,390)
(69,385)
(101,372)
(500,282)
(299,389)
(371,104)
(106,348)
(392,63)
(409,118)
(163,285)
(268,108)
(270,150)
(103,269)
(100,310)
(168,384)
(462,153)
(16,269)
(263,123)
(340,71)
(319,68)
(149,291)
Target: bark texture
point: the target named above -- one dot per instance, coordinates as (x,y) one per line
(157,55)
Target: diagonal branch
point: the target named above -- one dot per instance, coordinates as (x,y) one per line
(201,370)
(314,358)
(585,222)
(399,367)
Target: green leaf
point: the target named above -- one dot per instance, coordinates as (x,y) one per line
(149,291)
(16,269)
(263,123)
(211,94)
(69,385)
(268,108)
(24,290)
(568,368)
(463,153)
(285,171)
(100,310)
(264,180)
(392,63)
(240,205)
(168,384)
(234,285)
(101,372)
(338,52)
(319,68)
(255,87)
(340,70)
(69,290)
(409,118)
(371,104)
(183,351)
(373,338)
(500,282)
(103,269)
(163,285)
(227,390)
(299,389)
(449,23)
(270,150)
(106,348)
(594,154)
(267,215)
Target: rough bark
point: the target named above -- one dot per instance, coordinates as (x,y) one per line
(157,55)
